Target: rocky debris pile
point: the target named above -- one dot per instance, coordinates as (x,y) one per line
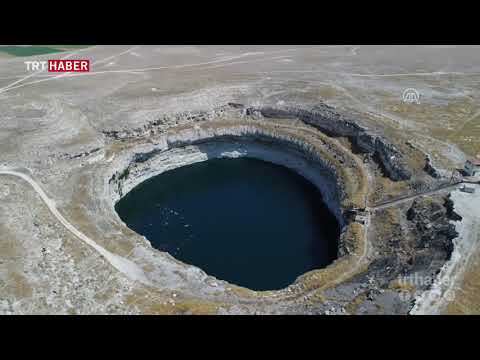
(433,230)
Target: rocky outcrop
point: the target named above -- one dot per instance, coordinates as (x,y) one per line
(321,116)
(162,124)
(451,213)
(80,155)
(432,228)
(331,122)
(430,169)
(392,160)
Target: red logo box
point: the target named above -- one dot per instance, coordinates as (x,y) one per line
(69,65)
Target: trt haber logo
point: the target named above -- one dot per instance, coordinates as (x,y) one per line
(60,65)
(68,65)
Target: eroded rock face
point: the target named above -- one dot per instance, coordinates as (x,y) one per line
(421,245)
(408,258)
(433,232)
(162,124)
(331,122)
(220,142)
(323,117)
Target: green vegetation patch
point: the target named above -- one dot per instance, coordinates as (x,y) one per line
(30,50)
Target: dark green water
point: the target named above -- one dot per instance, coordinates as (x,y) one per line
(246,221)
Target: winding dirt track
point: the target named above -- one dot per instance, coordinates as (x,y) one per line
(125,266)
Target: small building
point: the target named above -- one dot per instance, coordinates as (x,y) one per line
(472,166)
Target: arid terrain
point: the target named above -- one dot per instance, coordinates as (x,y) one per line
(72,144)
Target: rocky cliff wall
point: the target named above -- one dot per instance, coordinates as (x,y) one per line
(323,117)
(329,121)
(192,145)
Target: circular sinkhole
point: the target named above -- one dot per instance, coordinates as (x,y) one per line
(246,221)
